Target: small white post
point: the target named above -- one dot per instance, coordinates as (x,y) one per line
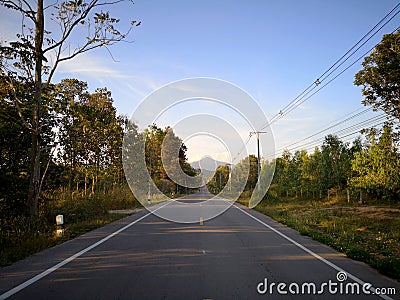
(60,225)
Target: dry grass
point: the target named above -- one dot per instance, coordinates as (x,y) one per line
(369,233)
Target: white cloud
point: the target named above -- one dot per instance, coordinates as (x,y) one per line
(97,68)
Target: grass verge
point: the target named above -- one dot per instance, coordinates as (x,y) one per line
(368,233)
(20,237)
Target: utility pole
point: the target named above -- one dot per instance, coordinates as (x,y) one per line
(257,133)
(149,192)
(230,177)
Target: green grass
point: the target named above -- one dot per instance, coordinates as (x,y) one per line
(369,233)
(20,237)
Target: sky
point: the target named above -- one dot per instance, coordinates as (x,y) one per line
(272,50)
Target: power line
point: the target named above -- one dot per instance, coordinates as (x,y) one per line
(365,35)
(342,133)
(334,125)
(334,78)
(241,150)
(300,98)
(320,79)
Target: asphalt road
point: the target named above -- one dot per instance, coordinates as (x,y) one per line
(241,254)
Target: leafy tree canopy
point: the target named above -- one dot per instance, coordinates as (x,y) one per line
(380,77)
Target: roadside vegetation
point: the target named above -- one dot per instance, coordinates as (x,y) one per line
(21,237)
(82,179)
(368,232)
(61,150)
(61,143)
(346,195)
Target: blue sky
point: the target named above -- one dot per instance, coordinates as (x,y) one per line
(271,49)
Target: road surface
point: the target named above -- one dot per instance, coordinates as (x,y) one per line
(241,254)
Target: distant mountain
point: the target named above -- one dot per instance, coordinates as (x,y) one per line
(207,166)
(207,163)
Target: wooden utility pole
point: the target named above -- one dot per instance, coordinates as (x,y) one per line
(257,133)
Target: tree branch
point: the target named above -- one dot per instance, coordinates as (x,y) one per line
(53,69)
(68,31)
(30,13)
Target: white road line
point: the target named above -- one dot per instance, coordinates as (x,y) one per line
(356,279)
(71,258)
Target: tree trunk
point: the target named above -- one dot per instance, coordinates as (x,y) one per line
(86,181)
(93,183)
(34,191)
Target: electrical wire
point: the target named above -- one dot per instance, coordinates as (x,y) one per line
(338,63)
(342,133)
(334,125)
(241,150)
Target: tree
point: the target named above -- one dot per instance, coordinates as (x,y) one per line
(166,151)
(29,58)
(283,178)
(219,180)
(90,133)
(69,93)
(15,140)
(380,76)
(245,174)
(377,168)
(335,162)
(315,171)
(14,156)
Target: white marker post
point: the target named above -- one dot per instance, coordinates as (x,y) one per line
(60,225)
(149,196)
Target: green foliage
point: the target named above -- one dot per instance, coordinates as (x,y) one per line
(20,236)
(376,168)
(335,163)
(14,160)
(165,155)
(220,179)
(90,134)
(380,76)
(16,143)
(301,173)
(27,62)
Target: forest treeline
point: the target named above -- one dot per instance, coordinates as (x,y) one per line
(61,136)
(83,155)
(371,167)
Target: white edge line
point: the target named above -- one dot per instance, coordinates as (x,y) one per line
(356,279)
(71,258)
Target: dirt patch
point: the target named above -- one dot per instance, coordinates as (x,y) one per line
(378,212)
(125,211)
